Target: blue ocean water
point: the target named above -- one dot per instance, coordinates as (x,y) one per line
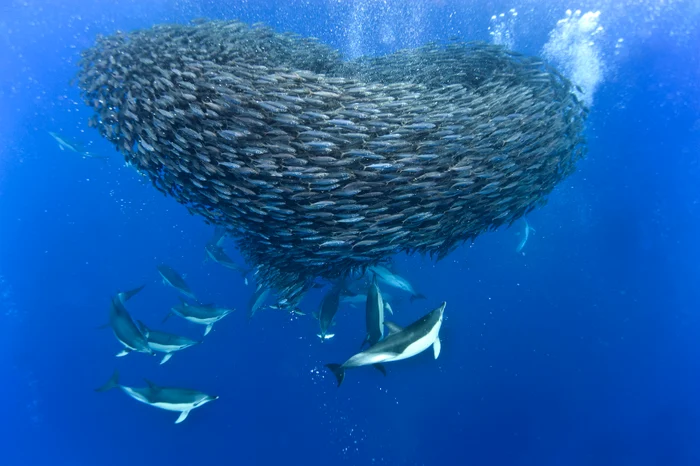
(581,349)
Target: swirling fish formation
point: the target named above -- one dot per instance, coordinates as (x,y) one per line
(320,167)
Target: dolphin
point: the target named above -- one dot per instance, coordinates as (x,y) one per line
(374,315)
(401,343)
(218,255)
(395,281)
(172,399)
(174,279)
(133,335)
(73,146)
(329,307)
(257,300)
(168,343)
(207,314)
(526,235)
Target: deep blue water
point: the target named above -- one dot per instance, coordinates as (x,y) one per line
(581,351)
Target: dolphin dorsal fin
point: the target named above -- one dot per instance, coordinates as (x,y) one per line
(393,328)
(151,385)
(142,327)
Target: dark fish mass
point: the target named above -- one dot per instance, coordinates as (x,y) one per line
(319,167)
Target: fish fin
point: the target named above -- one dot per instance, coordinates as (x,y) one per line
(123,352)
(416,296)
(393,328)
(166,358)
(338,371)
(208,329)
(102,327)
(436,347)
(183,416)
(380,368)
(113,382)
(127,295)
(167,316)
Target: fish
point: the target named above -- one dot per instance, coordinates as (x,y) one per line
(526,235)
(168,343)
(174,279)
(400,343)
(395,281)
(207,315)
(74,146)
(133,335)
(374,315)
(168,398)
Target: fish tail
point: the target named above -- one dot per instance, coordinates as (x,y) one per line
(113,382)
(338,372)
(416,296)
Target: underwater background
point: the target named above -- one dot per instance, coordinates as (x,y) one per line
(580,349)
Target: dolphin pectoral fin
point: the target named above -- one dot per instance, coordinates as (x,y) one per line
(183,416)
(387,307)
(166,358)
(436,348)
(113,382)
(123,352)
(380,368)
(338,372)
(393,328)
(208,329)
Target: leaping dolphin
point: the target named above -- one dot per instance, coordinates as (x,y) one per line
(401,343)
(171,399)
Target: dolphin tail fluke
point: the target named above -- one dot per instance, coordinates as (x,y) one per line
(380,368)
(338,372)
(416,296)
(127,295)
(113,382)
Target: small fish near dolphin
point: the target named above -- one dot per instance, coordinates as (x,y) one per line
(207,314)
(133,335)
(171,399)
(401,343)
(174,279)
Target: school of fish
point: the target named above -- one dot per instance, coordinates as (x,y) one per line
(320,167)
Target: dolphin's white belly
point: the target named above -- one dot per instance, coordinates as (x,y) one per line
(164,348)
(419,345)
(173,406)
